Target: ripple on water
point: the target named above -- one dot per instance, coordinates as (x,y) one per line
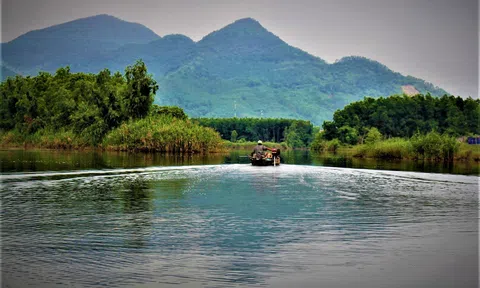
(237,225)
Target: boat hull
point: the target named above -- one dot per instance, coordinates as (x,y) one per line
(265,161)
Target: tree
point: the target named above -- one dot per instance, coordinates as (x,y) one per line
(373,135)
(173,111)
(329,130)
(234,136)
(140,91)
(293,139)
(348,135)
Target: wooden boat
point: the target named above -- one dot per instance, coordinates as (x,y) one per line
(269,159)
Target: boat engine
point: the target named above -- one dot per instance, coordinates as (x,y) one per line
(276,152)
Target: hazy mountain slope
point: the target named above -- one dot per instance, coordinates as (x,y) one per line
(161,56)
(72,42)
(6,72)
(241,65)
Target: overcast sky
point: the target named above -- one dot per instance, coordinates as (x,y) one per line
(436,40)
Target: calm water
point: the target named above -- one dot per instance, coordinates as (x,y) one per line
(83,219)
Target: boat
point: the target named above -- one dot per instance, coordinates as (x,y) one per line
(268,159)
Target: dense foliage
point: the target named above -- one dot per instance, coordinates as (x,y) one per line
(296,133)
(89,105)
(70,110)
(403,116)
(241,69)
(172,111)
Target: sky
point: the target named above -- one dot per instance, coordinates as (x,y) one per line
(435,40)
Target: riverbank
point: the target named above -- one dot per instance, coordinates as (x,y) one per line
(432,146)
(400,150)
(404,149)
(150,135)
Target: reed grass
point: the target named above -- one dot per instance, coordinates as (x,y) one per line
(163,134)
(468,152)
(394,148)
(43,139)
(431,146)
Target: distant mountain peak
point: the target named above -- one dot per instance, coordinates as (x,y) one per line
(177,37)
(247,21)
(102,27)
(241,32)
(97,17)
(362,61)
(246,24)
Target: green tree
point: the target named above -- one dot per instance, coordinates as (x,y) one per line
(293,140)
(329,130)
(348,135)
(140,91)
(373,136)
(173,111)
(234,136)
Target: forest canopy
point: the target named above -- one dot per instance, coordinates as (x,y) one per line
(90,105)
(404,116)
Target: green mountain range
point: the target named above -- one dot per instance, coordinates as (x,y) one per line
(241,69)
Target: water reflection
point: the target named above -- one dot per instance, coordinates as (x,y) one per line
(55,160)
(60,160)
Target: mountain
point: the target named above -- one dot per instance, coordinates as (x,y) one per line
(72,42)
(161,56)
(6,72)
(245,66)
(242,68)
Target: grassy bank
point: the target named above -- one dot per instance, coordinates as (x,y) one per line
(44,139)
(398,148)
(431,146)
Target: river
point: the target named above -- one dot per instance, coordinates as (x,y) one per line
(89,219)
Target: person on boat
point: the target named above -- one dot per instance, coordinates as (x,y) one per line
(259,150)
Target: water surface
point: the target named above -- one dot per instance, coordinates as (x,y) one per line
(122,222)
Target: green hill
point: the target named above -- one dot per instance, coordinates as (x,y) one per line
(241,68)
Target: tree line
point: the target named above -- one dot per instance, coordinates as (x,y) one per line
(296,133)
(404,116)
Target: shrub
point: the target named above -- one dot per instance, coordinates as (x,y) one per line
(322,145)
(393,148)
(163,134)
(373,136)
(234,136)
(434,146)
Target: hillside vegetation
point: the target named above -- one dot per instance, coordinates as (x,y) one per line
(241,69)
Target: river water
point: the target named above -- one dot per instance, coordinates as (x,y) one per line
(87,219)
